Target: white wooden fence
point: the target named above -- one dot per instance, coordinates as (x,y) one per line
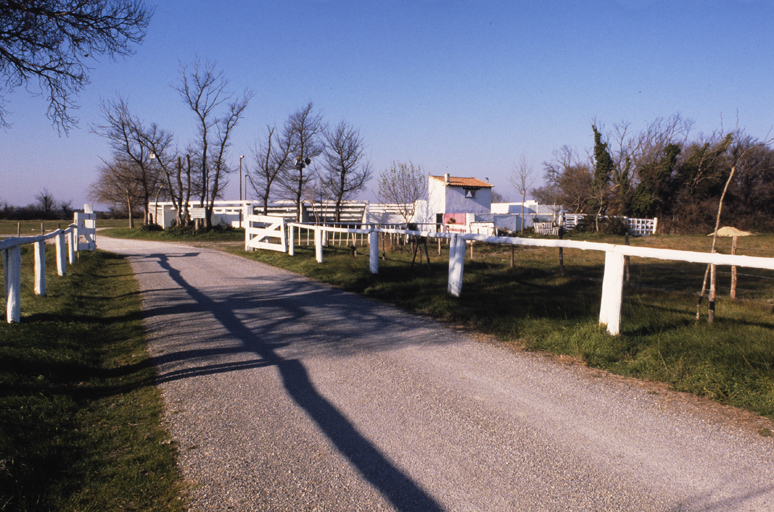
(264,232)
(637,227)
(613,280)
(81,235)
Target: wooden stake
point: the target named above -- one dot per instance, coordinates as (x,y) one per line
(427,256)
(733,270)
(627,270)
(561,253)
(712,294)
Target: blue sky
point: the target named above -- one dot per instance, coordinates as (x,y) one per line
(462,87)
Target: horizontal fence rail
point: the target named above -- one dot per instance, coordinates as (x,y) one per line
(80,235)
(613,279)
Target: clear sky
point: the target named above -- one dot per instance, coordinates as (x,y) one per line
(465,87)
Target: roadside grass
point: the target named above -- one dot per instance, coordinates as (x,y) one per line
(216,234)
(531,305)
(79,412)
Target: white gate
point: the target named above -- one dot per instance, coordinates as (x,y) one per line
(86,231)
(264,232)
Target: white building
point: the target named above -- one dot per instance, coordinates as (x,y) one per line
(451,197)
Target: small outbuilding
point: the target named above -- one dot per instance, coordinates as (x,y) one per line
(448,195)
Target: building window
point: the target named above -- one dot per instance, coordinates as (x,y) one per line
(470,192)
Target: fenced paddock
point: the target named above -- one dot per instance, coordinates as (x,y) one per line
(614,263)
(79,236)
(637,227)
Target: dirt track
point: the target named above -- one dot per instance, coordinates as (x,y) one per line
(284,394)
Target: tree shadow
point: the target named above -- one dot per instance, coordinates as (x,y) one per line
(292,304)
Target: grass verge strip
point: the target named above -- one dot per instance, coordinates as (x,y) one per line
(79,413)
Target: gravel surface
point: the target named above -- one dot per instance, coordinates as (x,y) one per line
(285,394)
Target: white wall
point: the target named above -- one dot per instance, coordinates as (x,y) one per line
(529,207)
(448,199)
(456,202)
(436,198)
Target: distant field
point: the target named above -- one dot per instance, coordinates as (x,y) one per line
(32,227)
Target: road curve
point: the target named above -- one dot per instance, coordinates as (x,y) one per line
(284,394)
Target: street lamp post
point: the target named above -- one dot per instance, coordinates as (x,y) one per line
(241,206)
(240,177)
(156,212)
(301,162)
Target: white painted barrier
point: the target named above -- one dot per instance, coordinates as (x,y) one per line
(612,284)
(373,246)
(40,268)
(318,245)
(264,232)
(456,264)
(12,273)
(11,251)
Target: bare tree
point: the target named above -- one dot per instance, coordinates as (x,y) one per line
(736,159)
(634,152)
(204,91)
(46,203)
(272,156)
(51,40)
(66,208)
(345,168)
(569,181)
(523,179)
(498,197)
(129,141)
(302,134)
(117,185)
(403,185)
(165,158)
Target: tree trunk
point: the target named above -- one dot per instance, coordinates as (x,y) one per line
(733,269)
(712,293)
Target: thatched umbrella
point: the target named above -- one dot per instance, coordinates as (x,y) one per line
(734,233)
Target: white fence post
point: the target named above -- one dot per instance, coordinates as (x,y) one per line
(61,261)
(265,232)
(456,264)
(612,292)
(292,241)
(86,224)
(373,242)
(71,245)
(40,267)
(12,273)
(318,249)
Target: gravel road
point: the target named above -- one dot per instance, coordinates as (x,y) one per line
(284,394)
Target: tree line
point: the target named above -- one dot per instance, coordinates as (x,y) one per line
(306,159)
(45,207)
(663,171)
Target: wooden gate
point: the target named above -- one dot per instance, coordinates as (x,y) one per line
(86,231)
(264,232)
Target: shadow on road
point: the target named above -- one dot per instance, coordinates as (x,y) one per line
(396,487)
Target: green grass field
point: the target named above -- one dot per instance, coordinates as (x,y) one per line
(79,412)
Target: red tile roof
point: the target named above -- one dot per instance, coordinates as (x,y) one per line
(464,182)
